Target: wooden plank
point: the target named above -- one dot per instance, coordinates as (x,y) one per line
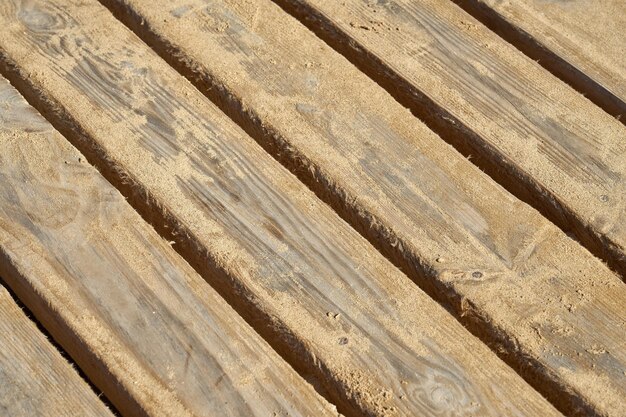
(313,286)
(35,379)
(515,280)
(581,42)
(131,312)
(537,136)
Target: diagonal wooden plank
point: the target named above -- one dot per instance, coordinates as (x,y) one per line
(313,286)
(581,42)
(131,312)
(35,380)
(517,281)
(533,133)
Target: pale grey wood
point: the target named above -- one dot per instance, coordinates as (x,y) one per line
(313,286)
(35,380)
(511,278)
(131,312)
(536,135)
(583,42)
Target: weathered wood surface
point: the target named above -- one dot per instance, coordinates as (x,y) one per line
(140,322)
(313,286)
(538,136)
(582,42)
(517,280)
(35,380)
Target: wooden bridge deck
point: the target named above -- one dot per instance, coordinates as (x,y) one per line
(312,207)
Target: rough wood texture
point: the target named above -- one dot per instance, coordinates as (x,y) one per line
(35,380)
(536,135)
(517,281)
(138,320)
(583,42)
(315,288)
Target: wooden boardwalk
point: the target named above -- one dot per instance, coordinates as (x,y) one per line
(224,208)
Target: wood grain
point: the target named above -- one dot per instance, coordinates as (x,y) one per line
(537,136)
(517,281)
(333,306)
(136,318)
(580,41)
(35,380)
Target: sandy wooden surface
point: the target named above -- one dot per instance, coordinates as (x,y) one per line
(536,135)
(131,312)
(509,274)
(331,304)
(200,160)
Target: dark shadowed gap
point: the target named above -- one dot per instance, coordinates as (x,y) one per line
(59,349)
(548,59)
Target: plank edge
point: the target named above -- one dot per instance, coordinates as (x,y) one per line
(118,400)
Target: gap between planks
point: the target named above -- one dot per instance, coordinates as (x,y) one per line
(550,59)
